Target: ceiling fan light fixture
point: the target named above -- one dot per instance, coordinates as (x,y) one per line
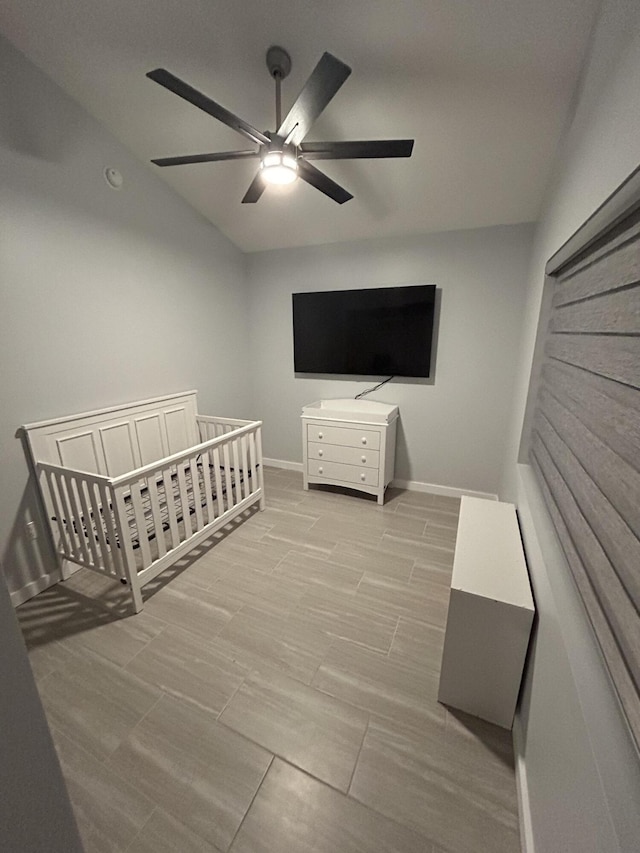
(279,168)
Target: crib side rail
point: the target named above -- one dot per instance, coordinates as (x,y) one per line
(80,514)
(211,426)
(184,455)
(165,503)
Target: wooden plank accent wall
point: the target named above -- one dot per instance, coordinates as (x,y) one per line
(585,443)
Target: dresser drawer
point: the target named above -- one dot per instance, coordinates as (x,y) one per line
(344,436)
(338,453)
(343,473)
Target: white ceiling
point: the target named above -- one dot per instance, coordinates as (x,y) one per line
(483,86)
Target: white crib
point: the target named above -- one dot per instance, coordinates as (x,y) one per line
(130,489)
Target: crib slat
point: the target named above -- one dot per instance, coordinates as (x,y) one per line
(154,504)
(252,462)
(260,466)
(79,522)
(227,476)
(63,543)
(113,542)
(141,524)
(237,474)
(184,500)
(206,478)
(68,519)
(197,500)
(126,545)
(170,507)
(244,471)
(105,560)
(89,526)
(218,480)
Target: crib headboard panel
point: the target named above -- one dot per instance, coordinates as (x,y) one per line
(118,439)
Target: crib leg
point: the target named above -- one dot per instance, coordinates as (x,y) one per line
(136,596)
(131,578)
(66,569)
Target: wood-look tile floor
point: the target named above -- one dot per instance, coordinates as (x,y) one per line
(277,693)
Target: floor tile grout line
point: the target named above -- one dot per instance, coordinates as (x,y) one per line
(102,760)
(147,644)
(107,760)
(281,757)
(355,765)
(394,635)
(312,686)
(140,831)
(226,704)
(365,806)
(253,799)
(413,568)
(394,821)
(376,713)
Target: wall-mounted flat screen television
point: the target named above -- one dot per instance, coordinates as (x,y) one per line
(384,331)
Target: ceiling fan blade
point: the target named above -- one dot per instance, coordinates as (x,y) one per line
(322,182)
(204,158)
(325,80)
(355,150)
(183,90)
(256,188)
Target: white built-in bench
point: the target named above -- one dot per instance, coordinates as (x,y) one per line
(490,614)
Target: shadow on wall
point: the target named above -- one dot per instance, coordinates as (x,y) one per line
(65,180)
(43,128)
(403,462)
(402,452)
(29,556)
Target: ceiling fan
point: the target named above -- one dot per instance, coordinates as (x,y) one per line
(284,155)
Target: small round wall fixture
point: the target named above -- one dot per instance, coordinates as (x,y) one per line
(113,177)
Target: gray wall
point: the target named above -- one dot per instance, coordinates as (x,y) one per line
(582,772)
(107,296)
(452,430)
(35,813)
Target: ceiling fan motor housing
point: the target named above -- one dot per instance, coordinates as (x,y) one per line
(278,62)
(280,145)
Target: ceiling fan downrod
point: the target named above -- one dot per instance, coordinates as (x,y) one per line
(279,65)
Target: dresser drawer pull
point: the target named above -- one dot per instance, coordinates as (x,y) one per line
(363,458)
(320,470)
(320,452)
(363,477)
(320,435)
(364,440)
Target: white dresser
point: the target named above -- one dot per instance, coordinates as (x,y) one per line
(349,443)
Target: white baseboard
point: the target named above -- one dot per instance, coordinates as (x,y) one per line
(524,811)
(434,489)
(282,463)
(19,596)
(411,485)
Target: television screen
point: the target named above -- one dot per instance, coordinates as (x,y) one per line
(385,331)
